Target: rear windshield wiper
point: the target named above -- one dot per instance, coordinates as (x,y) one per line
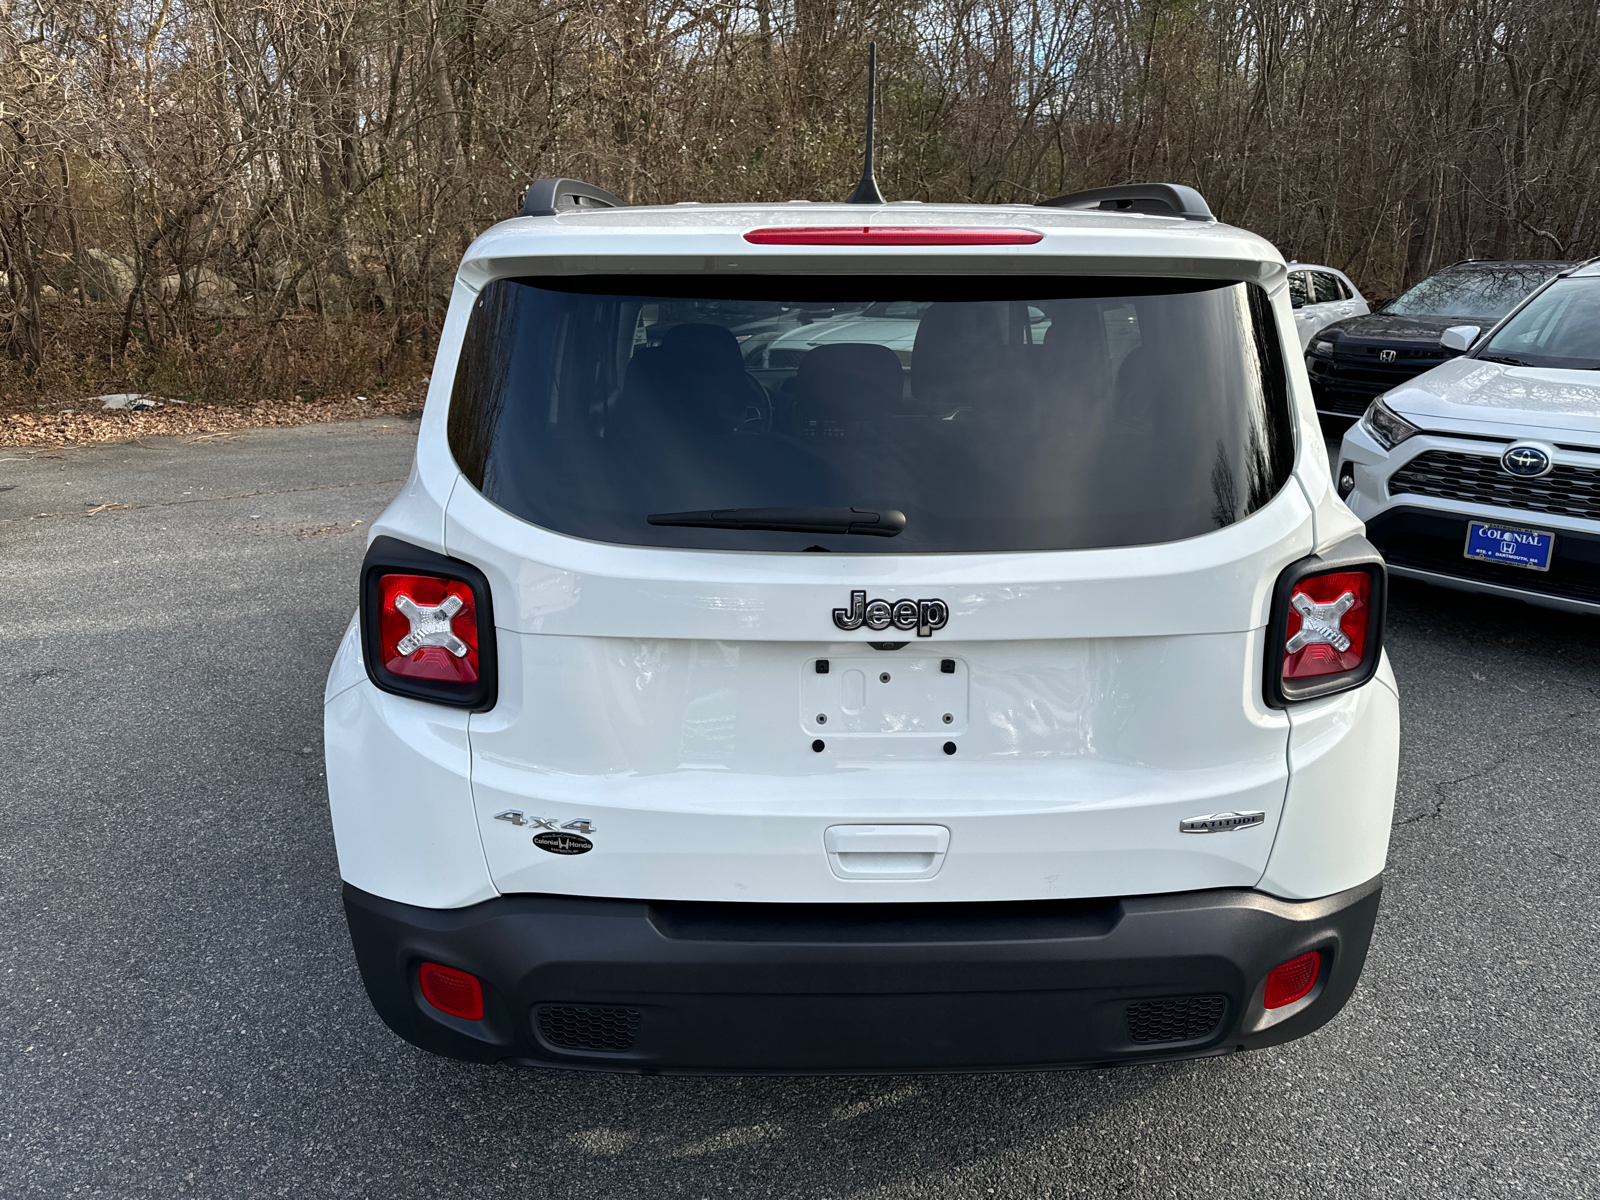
(797,519)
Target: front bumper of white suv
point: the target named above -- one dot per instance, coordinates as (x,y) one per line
(1418,499)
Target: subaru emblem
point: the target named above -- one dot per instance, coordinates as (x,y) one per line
(1526,461)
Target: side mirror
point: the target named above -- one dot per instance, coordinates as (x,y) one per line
(1459,337)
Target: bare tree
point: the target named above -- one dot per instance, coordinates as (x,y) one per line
(190,162)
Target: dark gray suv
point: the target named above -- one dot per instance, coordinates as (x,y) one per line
(1353,361)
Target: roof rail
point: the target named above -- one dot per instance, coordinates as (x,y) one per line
(547,197)
(1161,199)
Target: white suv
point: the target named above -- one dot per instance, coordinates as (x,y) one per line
(1483,474)
(1019,705)
(1320,296)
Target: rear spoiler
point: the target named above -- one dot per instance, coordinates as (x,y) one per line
(1160,199)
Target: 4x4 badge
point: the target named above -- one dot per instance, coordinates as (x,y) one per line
(922,615)
(515,816)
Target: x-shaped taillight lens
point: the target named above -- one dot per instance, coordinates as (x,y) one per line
(428,628)
(1327,627)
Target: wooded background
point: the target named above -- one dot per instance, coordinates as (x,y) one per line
(216,197)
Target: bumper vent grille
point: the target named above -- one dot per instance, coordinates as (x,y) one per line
(588,1027)
(1182,1019)
(1451,475)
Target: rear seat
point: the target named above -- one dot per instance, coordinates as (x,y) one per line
(846,382)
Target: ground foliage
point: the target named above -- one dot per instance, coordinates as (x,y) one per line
(258,199)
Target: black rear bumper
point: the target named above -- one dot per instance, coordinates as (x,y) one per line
(641,986)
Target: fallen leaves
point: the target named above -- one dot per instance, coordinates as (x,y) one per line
(209,422)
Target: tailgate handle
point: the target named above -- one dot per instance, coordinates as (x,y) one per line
(886,851)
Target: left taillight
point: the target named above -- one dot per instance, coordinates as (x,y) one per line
(1326,631)
(427,629)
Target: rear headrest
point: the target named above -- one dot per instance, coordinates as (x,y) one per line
(695,376)
(848,381)
(706,349)
(956,344)
(1075,347)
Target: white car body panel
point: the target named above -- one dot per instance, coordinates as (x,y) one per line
(1073,782)
(1112,693)
(1344,758)
(400,786)
(1311,317)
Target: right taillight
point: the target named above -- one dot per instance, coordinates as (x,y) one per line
(427,630)
(1326,630)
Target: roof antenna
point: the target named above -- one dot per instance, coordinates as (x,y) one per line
(867,190)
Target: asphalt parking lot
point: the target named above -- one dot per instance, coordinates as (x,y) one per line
(182,1014)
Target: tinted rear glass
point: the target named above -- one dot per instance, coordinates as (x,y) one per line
(1477,291)
(996,414)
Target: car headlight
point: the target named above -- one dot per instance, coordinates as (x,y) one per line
(1387,427)
(1322,347)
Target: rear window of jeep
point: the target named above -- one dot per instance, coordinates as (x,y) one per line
(996,414)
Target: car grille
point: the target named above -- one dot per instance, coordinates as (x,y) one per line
(588,1027)
(1182,1019)
(784,359)
(1347,383)
(1450,475)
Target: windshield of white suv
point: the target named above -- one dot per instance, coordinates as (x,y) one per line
(968,414)
(1559,328)
(1481,290)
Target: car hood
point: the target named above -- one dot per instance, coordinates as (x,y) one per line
(893,332)
(1471,394)
(1388,329)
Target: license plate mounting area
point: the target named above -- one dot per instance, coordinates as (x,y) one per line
(883,695)
(1509,545)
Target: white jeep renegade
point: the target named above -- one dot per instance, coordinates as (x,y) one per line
(989,678)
